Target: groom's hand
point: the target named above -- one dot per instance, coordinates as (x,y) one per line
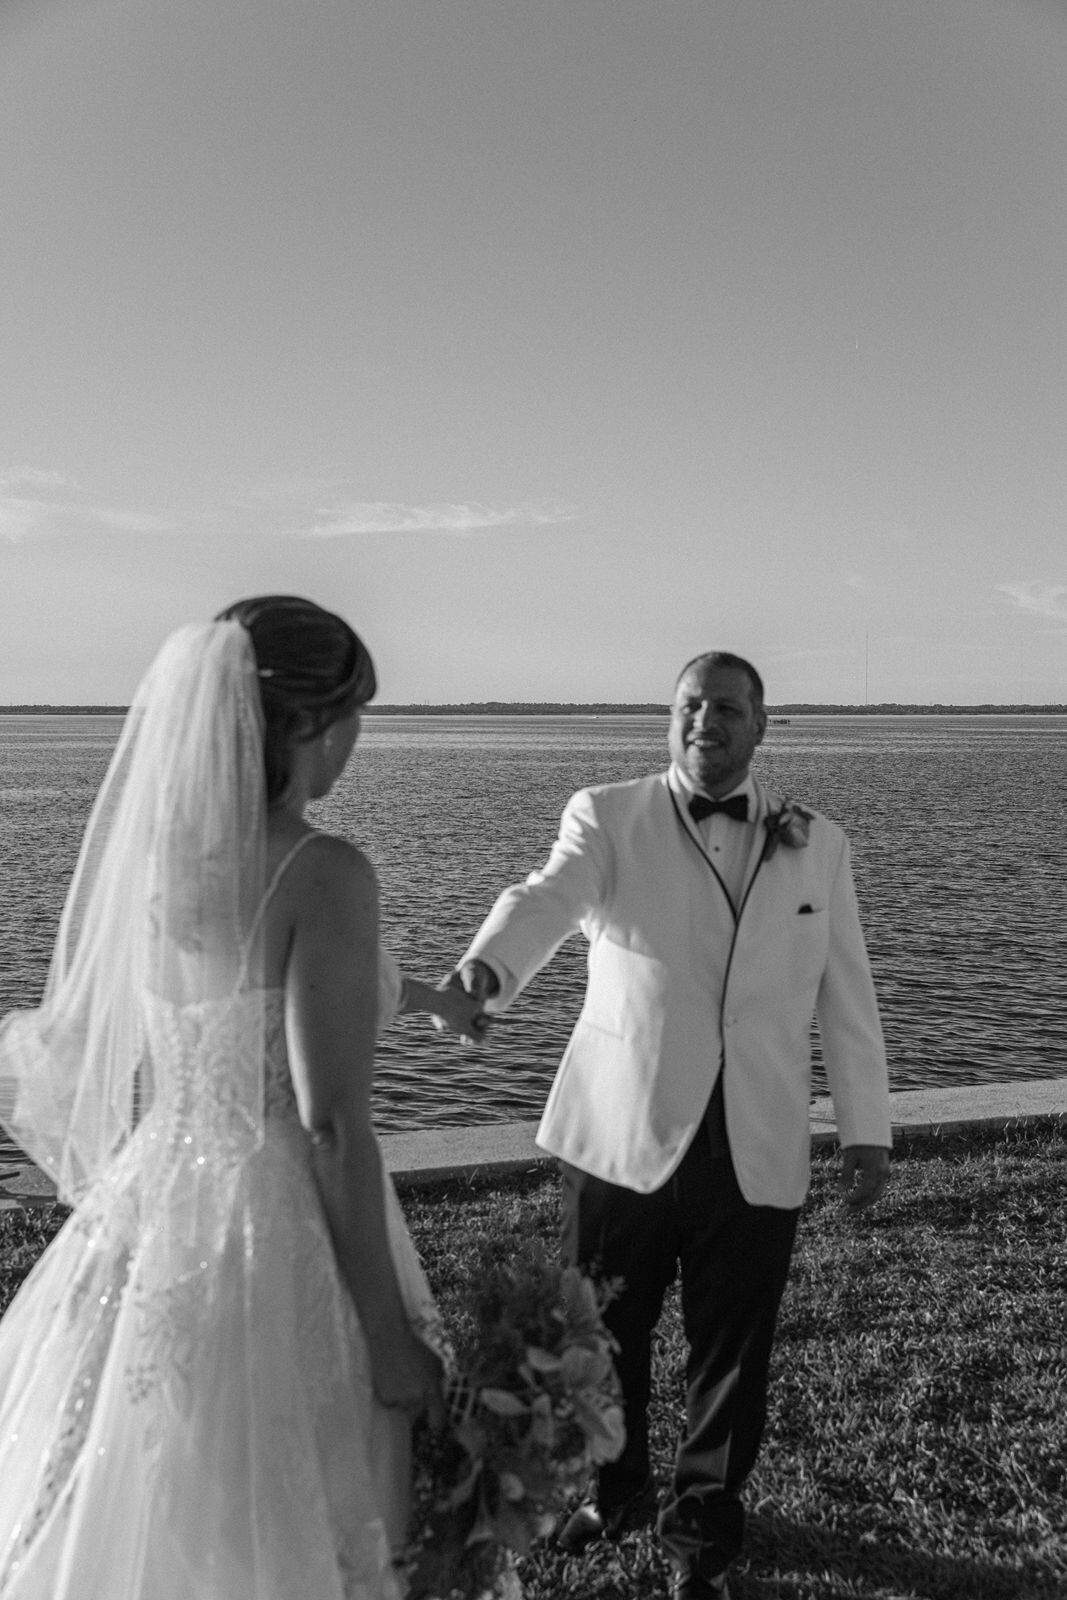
(478,980)
(864,1174)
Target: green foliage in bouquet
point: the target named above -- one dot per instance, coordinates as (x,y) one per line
(534,1404)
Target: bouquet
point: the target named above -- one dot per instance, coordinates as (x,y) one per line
(534,1404)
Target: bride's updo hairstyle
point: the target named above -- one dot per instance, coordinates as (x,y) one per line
(313,669)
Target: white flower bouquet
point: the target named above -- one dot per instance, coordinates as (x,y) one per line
(534,1405)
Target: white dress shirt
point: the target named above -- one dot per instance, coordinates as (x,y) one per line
(726,842)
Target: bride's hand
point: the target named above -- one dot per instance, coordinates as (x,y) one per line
(407,1376)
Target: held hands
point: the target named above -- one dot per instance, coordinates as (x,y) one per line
(864,1174)
(460,998)
(450,1004)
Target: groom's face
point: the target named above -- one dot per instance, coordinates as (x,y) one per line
(716,724)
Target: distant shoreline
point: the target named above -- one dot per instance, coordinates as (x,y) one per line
(524,708)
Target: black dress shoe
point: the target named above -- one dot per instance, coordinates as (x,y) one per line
(588,1524)
(690,1586)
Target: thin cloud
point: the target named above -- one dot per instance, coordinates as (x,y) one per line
(20,518)
(1037,598)
(25,516)
(33,478)
(120,521)
(386,516)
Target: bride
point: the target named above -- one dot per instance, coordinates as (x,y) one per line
(207,1383)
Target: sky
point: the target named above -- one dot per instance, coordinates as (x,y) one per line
(549,341)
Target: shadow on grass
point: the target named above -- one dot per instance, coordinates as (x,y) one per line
(788,1561)
(785,1560)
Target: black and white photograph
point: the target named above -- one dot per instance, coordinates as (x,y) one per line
(533,761)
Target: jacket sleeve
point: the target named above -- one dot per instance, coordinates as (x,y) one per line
(849,1024)
(530,921)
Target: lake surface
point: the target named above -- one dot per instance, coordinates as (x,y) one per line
(959,849)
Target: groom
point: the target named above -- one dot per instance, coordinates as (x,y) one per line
(719,918)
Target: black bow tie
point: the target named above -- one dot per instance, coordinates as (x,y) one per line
(736,806)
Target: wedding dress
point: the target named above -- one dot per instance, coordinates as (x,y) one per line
(186,1409)
(221,1427)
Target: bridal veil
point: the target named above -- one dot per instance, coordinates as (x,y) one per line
(162,910)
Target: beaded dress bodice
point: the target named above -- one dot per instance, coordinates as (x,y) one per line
(212,1047)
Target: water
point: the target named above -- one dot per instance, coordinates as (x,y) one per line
(959,849)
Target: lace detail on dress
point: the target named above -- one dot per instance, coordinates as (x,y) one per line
(279,1095)
(215,1066)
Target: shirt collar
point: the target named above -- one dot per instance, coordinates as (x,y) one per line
(682,785)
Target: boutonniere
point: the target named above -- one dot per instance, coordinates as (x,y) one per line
(789,825)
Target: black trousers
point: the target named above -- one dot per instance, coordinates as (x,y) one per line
(734,1260)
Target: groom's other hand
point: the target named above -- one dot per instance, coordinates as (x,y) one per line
(864,1174)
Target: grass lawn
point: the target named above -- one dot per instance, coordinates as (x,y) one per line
(917,1442)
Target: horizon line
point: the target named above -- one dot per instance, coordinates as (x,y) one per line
(605,707)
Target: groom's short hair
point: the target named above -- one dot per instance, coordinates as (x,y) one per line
(725,658)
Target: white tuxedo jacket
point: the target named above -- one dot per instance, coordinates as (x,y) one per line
(681,982)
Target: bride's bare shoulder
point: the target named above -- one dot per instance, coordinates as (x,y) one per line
(324,868)
(326,897)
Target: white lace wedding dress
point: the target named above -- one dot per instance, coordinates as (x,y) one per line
(182,1422)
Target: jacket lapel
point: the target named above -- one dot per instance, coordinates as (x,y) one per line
(765,803)
(768,801)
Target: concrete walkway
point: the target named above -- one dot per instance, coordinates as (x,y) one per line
(503,1147)
(487,1149)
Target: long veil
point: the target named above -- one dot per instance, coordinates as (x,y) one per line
(162,912)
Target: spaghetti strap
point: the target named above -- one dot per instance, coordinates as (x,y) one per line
(280,869)
(276,878)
